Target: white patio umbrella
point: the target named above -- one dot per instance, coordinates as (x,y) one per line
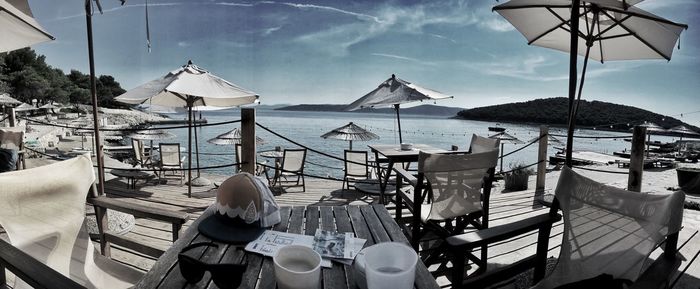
(394,92)
(350,132)
(651,129)
(6,99)
(612,30)
(18,27)
(189,86)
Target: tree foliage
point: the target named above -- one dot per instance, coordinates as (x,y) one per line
(26,76)
(553,111)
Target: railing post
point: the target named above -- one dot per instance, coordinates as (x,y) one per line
(634,182)
(248,158)
(542,159)
(11,116)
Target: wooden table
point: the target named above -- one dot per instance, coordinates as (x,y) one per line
(394,154)
(371,222)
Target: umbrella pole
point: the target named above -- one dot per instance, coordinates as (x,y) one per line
(351,145)
(93,93)
(189,148)
(398,120)
(572,76)
(501,158)
(196,147)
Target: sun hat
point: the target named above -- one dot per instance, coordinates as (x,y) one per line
(245,208)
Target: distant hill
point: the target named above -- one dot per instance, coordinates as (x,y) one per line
(553,111)
(426,109)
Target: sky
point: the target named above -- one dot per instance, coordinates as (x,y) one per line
(337,51)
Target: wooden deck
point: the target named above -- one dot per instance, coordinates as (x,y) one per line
(505,208)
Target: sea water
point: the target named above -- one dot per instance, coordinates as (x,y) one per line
(306,128)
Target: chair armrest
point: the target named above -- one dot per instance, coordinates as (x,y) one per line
(410,178)
(137,210)
(30,270)
(503,232)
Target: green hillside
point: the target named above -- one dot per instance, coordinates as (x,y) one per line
(553,111)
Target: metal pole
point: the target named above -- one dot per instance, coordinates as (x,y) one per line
(93,93)
(189,147)
(572,76)
(398,119)
(502,157)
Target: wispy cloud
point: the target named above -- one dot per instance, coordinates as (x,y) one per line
(442,37)
(534,68)
(268,31)
(326,8)
(496,24)
(183,44)
(404,58)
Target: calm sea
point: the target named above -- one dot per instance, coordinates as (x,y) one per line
(307,127)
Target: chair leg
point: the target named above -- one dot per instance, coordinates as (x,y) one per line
(303,184)
(457,268)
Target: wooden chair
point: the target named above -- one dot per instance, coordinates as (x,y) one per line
(450,192)
(171,161)
(356,167)
(606,230)
(13,138)
(293,166)
(44,218)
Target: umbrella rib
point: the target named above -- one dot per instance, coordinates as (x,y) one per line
(30,25)
(637,36)
(635,14)
(561,25)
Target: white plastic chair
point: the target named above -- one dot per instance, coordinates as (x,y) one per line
(170,160)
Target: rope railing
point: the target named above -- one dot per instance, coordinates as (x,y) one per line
(601,171)
(280,171)
(173,169)
(523,147)
(594,137)
(129,128)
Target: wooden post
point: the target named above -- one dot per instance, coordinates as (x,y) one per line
(542,159)
(634,182)
(248,153)
(11,116)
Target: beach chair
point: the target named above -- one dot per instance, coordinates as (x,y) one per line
(606,230)
(170,160)
(139,154)
(259,169)
(356,167)
(481,144)
(43,213)
(449,193)
(293,166)
(13,138)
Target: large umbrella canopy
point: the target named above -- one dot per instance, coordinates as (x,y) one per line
(18,27)
(503,138)
(651,129)
(6,99)
(394,92)
(611,30)
(683,130)
(232,137)
(189,86)
(350,132)
(151,134)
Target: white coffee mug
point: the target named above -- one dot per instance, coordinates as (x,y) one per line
(297,267)
(390,265)
(406,146)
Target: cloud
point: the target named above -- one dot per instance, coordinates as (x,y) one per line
(534,68)
(496,24)
(268,31)
(442,37)
(326,8)
(183,44)
(117,8)
(404,58)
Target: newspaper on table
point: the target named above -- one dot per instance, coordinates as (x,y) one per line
(341,247)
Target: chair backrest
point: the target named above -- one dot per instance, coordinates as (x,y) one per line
(480,144)
(608,229)
(45,217)
(356,163)
(137,149)
(11,139)
(170,154)
(239,150)
(293,160)
(456,181)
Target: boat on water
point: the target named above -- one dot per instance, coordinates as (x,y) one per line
(497,128)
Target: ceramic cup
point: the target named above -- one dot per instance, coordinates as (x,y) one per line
(390,265)
(297,267)
(406,146)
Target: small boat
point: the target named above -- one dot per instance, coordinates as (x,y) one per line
(497,128)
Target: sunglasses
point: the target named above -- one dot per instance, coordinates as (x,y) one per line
(224,275)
